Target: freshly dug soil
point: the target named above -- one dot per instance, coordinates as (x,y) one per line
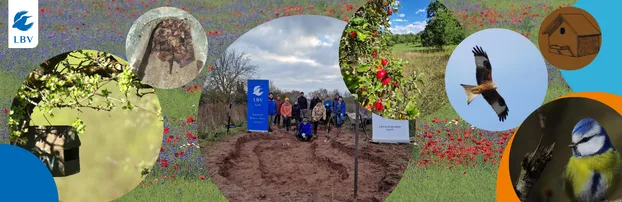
(278,167)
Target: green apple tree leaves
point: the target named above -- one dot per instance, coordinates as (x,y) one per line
(370,70)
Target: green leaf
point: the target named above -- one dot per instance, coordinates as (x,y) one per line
(365,25)
(360,36)
(357,20)
(363,68)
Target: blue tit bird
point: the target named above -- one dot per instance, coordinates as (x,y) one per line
(594,168)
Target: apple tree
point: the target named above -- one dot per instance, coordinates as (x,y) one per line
(370,71)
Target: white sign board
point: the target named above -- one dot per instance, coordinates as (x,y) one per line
(389,131)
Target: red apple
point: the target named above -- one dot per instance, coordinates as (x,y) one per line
(378,68)
(395,84)
(381,74)
(390,11)
(362,89)
(386,80)
(353,34)
(378,105)
(374,55)
(385,62)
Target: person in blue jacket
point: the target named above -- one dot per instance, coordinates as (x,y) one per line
(340,111)
(271,111)
(328,104)
(304,130)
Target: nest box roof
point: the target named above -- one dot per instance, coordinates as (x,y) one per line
(578,23)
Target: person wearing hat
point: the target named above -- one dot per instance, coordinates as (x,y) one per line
(277,118)
(318,114)
(286,112)
(304,130)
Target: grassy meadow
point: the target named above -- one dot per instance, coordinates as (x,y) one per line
(184,177)
(464,183)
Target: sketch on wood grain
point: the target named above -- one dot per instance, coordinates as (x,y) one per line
(171,41)
(573,35)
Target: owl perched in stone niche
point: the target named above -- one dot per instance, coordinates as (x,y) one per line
(172,42)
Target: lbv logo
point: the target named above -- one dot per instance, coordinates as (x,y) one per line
(23,23)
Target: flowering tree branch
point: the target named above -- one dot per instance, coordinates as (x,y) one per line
(534,163)
(72,80)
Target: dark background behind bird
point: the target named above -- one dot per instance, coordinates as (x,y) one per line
(561,117)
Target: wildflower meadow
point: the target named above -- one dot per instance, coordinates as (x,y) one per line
(452,161)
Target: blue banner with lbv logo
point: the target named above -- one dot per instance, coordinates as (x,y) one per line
(257,104)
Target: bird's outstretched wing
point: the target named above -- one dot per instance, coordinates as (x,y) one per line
(483,70)
(19,15)
(497,103)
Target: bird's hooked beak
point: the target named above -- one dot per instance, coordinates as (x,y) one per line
(572,145)
(495,86)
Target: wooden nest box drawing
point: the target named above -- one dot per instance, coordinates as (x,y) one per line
(573,35)
(57,146)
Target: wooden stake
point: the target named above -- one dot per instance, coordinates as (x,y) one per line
(229,119)
(356,149)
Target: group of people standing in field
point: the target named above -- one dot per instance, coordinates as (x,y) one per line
(282,112)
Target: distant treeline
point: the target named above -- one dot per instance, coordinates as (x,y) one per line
(442,29)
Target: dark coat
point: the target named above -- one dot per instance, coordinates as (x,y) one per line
(279,103)
(314,102)
(302,102)
(296,111)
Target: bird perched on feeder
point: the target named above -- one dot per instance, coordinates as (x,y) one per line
(594,168)
(485,86)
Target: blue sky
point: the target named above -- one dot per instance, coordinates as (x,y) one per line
(411,17)
(517,67)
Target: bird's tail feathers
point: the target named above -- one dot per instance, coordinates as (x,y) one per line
(470,95)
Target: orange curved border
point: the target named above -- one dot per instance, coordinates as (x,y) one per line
(505,190)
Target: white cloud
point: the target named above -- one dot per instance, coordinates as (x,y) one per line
(287,59)
(400,20)
(297,52)
(402,15)
(420,11)
(411,28)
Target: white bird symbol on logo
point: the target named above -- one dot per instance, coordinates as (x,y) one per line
(257,91)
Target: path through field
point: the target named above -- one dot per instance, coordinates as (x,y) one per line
(278,167)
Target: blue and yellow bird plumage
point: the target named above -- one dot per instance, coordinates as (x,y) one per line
(594,168)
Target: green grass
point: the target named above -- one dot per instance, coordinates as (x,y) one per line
(180,103)
(438,184)
(418,184)
(435,184)
(176,190)
(431,63)
(417,47)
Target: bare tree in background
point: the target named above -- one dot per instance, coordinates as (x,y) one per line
(347,93)
(322,92)
(230,72)
(273,89)
(335,92)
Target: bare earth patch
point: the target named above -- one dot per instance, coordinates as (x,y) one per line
(278,167)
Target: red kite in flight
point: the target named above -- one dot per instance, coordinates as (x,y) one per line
(485,86)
